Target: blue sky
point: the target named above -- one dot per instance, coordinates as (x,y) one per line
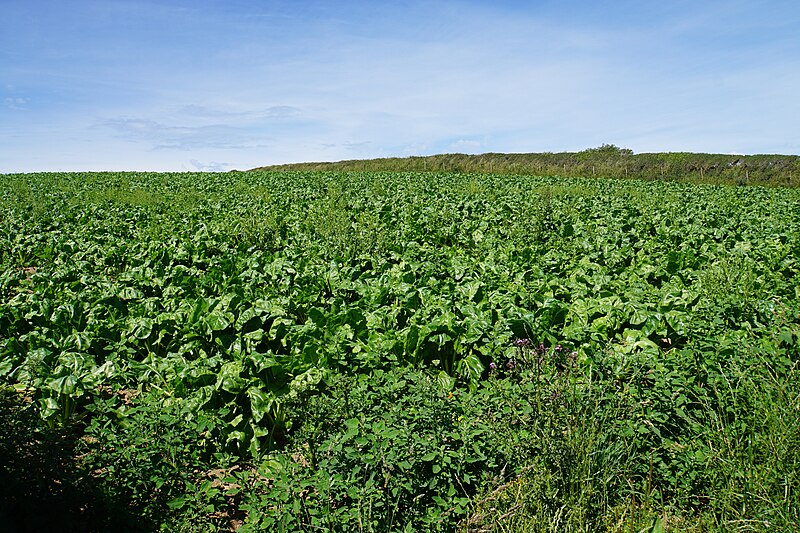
(219,85)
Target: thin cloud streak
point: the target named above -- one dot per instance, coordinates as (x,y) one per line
(211,166)
(185,138)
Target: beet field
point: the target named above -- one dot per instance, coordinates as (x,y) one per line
(397,352)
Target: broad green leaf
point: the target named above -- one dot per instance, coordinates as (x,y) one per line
(260,402)
(65,385)
(230,379)
(445,381)
(217,321)
(141,328)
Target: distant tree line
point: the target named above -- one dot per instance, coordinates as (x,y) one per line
(606,161)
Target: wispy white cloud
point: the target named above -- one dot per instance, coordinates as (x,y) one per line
(352,145)
(150,86)
(466,146)
(187,138)
(268,113)
(15,102)
(211,166)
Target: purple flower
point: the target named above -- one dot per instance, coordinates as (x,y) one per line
(511,364)
(492,366)
(558,347)
(522,342)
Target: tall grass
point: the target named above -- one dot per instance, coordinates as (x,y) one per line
(735,467)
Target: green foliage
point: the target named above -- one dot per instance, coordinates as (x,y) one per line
(157,457)
(608,151)
(605,161)
(42,485)
(702,444)
(400,450)
(378,351)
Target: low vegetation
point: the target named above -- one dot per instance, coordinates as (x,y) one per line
(369,351)
(606,161)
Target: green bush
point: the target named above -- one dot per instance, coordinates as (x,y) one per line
(163,461)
